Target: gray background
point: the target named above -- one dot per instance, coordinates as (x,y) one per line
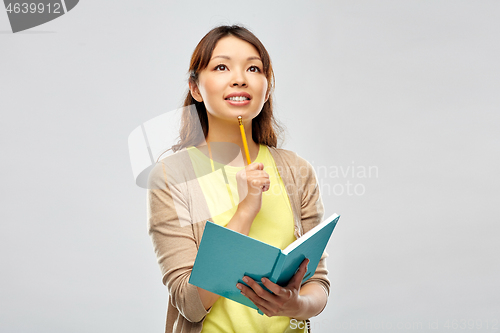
(410,87)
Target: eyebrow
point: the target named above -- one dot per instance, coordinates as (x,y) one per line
(226,57)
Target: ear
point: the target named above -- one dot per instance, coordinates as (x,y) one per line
(195,92)
(267,96)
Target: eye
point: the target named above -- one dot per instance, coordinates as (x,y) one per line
(219,66)
(257,69)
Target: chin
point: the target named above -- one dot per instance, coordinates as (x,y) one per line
(245,114)
(231,113)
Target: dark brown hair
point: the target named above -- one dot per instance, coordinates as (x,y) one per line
(265,128)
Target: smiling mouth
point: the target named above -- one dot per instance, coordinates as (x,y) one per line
(238,98)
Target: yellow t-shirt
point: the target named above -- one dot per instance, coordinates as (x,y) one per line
(272,225)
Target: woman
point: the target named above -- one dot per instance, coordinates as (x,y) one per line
(277,198)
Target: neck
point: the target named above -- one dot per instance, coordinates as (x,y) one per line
(229,131)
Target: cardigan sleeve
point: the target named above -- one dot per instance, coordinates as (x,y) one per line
(312,211)
(171,231)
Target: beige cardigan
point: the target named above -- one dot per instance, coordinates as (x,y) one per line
(176,220)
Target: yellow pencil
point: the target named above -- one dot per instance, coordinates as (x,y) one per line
(244,138)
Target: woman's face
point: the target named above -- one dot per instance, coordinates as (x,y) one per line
(234,70)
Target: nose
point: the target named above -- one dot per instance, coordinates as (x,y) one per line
(238,79)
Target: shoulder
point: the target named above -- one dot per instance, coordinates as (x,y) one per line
(173,169)
(292,160)
(287,155)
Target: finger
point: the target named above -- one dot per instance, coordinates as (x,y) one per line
(255,166)
(256,184)
(296,280)
(262,173)
(266,184)
(259,177)
(276,289)
(257,289)
(257,174)
(259,302)
(260,183)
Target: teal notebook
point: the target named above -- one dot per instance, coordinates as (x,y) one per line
(225,256)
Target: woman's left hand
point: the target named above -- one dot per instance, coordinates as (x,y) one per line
(285,301)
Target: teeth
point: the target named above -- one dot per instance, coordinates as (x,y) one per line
(238,98)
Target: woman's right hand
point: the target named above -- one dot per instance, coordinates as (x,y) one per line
(252,181)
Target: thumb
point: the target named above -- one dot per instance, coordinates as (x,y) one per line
(255,166)
(296,280)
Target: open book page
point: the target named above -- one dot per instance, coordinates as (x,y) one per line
(309,234)
(310,246)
